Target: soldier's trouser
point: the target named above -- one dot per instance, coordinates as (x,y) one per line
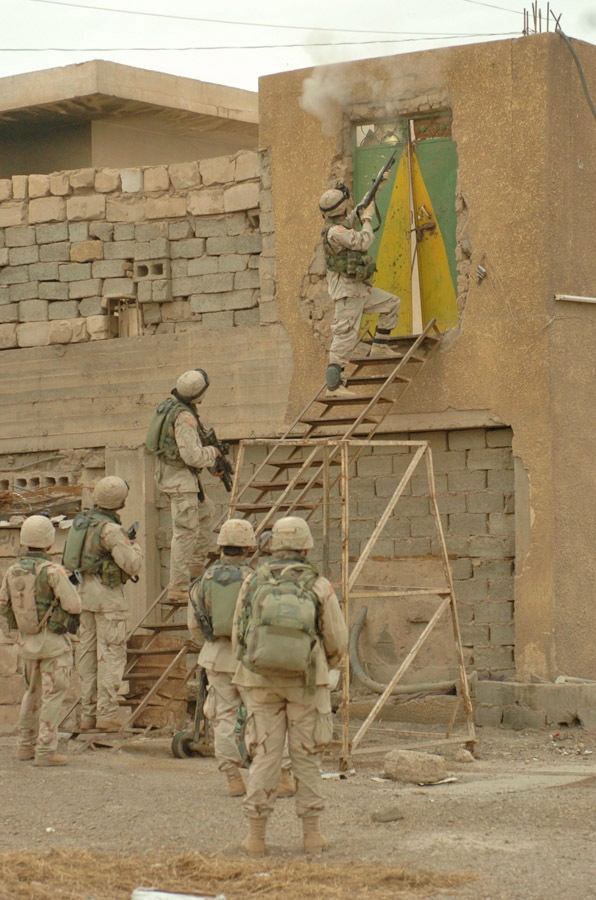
(102,658)
(46,683)
(306,719)
(221,708)
(348,315)
(191,536)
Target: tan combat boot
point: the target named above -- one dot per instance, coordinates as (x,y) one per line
(382,350)
(51,759)
(87,723)
(108,725)
(314,841)
(254,842)
(24,753)
(236,786)
(287,784)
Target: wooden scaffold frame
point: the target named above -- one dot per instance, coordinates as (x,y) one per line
(319,454)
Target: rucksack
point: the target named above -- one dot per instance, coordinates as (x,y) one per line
(220,584)
(277,631)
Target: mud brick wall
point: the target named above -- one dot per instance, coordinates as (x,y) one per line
(190,243)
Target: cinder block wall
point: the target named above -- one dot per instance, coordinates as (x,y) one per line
(474,483)
(186,240)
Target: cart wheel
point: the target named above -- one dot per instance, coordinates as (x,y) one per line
(182,745)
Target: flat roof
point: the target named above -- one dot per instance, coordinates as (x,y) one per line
(100,89)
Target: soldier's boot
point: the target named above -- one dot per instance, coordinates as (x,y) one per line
(380,345)
(336,383)
(236,786)
(176,596)
(108,726)
(314,841)
(287,784)
(25,752)
(87,723)
(254,842)
(51,759)
(382,349)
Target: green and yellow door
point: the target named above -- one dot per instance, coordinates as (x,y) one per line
(415,243)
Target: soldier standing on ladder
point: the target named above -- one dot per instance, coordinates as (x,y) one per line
(349,270)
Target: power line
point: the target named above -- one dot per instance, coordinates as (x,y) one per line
(246,46)
(134,12)
(492,6)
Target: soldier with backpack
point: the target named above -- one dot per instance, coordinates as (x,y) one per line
(174,436)
(289,633)
(106,556)
(38,600)
(213,601)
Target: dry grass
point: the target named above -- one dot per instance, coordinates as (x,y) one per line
(81,875)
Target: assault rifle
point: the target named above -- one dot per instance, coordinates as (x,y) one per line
(222,467)
(377,181)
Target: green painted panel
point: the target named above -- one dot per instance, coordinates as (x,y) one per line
(438,166)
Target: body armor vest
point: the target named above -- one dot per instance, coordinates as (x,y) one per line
(84,553)
(160,434)
(31,596)
(357,265)
(220,586)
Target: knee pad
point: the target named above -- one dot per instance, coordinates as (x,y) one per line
(333,376)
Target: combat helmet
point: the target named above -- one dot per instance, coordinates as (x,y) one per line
(291,533)
(110,492)
(192,384)
(236,533)
(37,531)
(332,202)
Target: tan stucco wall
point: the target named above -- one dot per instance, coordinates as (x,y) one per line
(524,135)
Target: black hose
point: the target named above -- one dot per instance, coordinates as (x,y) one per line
(437,687)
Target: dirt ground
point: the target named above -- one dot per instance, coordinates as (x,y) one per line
(518,823)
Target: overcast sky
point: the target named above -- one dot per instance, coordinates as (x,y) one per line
(236,42)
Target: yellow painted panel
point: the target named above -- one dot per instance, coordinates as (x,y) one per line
(393,253)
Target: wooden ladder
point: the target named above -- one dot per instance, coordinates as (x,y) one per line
(295,474)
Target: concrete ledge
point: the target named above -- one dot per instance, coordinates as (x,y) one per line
(520,705)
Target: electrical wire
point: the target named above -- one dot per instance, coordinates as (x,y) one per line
(492,6)
(246,46)
(586,90)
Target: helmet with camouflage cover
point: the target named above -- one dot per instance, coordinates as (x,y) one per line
(333,202)
(291,533)
(192,384)
(37,531)
(110,492)
(236,533)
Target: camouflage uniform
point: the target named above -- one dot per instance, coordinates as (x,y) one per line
(282,706)
(47,660)
(104,619)
(216,657)
(191,518)
(354,298)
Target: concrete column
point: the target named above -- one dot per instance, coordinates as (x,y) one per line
(136,467)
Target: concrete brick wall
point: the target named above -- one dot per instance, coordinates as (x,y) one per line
(192,243)
(473,474)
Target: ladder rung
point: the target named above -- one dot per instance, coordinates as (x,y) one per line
(326,421)
(374,379)
(166,626)
(150,651)
(281,485)
(265,507)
